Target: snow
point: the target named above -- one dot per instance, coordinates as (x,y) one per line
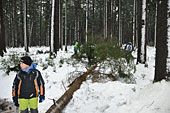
(120,98)
(92,97)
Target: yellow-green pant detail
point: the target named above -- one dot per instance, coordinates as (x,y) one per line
(28,103)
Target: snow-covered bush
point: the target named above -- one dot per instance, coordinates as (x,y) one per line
(61,62)
(49,61)
(10,62)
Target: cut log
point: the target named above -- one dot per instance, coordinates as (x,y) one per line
(67,96)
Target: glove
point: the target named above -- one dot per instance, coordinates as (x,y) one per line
(15,101)
(41,98)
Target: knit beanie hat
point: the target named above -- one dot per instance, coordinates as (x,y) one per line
(26,60)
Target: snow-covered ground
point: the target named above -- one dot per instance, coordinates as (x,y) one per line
(109,97)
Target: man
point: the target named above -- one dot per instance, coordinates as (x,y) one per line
(27,86)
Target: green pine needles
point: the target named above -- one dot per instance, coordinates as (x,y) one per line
(109,56)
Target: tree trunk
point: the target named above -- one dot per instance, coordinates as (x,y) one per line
(52,28)
(16,24)
(143,34)
(56,26)
(66,25)
(22,24)
(78,19)
(47,21)
(120,23)
(2,31)
(161,41)
(168,39)
(134,22)
(67,96)
(139,30)
(12,25)
(114,19)
(105,19)
(146,29)
(30,33)
(155,24)
(40,35)
(25,26)
(93,18)
(111,18)
(87,5)
(60,39)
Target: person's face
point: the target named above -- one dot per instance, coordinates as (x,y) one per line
(24,66)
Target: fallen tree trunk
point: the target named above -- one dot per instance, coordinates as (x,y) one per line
(59,105)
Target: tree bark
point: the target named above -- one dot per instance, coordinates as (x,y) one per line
(60,26)
(134,23)
(40,35)
(2,31)
(25,26)
(139,30)
(93,18)
(120,23)
(52,28)
(66,25)
(87,6)
(56,26)
(105,19)
(161,41)
(16,24)
(142,57)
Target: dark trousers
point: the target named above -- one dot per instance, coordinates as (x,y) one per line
(32,111)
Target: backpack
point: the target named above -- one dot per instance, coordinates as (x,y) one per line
(128,47)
